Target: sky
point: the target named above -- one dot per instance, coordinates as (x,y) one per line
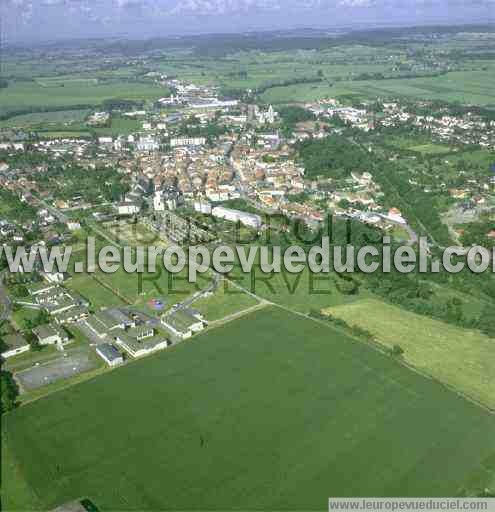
(51,20)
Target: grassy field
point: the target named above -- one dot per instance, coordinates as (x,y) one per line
(45,118)
(464,359)
(225,301)
(31,94)
(98,295)
(209,427)
(463,87)
(431,149)
(301,292)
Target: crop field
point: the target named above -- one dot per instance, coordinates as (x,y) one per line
(23,95)
(462,358)
(463,87)
(218,431)
(62,117)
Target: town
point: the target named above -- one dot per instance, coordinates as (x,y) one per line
(254,141)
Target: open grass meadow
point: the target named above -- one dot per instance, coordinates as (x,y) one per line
(271,412)
(459,357)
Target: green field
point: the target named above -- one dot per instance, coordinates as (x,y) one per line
(225,301)
(462,358)
(460,87)
(98,295)
(24,95)
(45,118)
(209,427)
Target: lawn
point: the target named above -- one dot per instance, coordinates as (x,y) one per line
(462,358)
(271,412)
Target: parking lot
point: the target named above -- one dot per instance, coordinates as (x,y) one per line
(66,366)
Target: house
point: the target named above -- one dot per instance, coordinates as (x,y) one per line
(51,334)
(183,323)
(15,345)
(109,354)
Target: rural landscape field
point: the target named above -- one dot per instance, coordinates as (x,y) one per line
(339,417)
(273,279)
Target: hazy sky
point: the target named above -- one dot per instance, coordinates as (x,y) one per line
(32,20)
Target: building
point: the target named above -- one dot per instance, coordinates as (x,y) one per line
(147,144)
(140,341)
(103,322)
(128,208)
(248,219)
(40,288)
(73,225)
(54,277)
(187,141)
(166,200)
(51,334)
(203,207)
(395,215)
(183,323)
(15,345)
(109,354)
(71,315)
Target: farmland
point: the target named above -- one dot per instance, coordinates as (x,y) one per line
(453,87)
(339,418)
(74,93)
(459,357)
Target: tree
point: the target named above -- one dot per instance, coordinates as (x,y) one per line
(9,392)
(486,322)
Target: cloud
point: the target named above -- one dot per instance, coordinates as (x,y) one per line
(356,3)
(35,19)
